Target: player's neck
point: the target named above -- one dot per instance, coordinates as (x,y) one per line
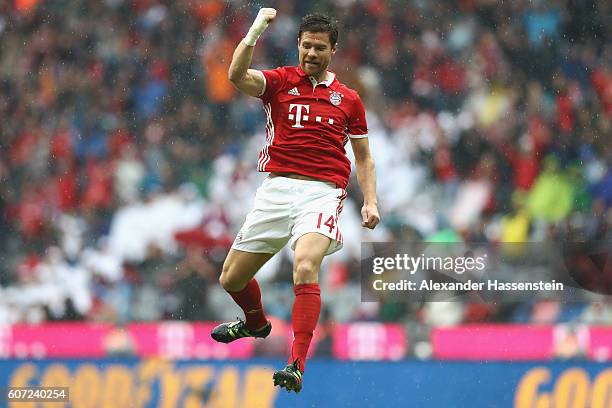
(321,77)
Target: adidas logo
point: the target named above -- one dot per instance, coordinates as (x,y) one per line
(294,92)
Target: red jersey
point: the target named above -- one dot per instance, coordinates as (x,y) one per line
(308,125)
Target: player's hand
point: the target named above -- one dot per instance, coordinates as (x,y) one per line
(369,216)
(264,17)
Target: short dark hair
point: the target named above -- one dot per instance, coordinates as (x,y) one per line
(320,23)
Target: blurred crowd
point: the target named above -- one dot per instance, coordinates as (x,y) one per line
(127,159)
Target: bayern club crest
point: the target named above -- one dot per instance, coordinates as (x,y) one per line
(335,98)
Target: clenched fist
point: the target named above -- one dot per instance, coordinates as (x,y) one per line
(264,17)
(369,216)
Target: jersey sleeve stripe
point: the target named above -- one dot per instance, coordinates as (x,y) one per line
(358,136)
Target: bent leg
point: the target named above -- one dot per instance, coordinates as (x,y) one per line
(237,279)
(240,267)
(309,252)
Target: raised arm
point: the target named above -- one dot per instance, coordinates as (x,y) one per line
(250,81)
(366,176)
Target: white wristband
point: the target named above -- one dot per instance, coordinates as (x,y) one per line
(259,26)
(251,38)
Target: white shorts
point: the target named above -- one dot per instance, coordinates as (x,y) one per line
(287,208)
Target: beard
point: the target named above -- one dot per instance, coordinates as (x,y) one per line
(314,68)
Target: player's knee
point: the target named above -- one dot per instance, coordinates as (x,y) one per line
(223,280)
(305,271)
(230,283)
(227,280)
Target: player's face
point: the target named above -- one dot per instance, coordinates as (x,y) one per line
(315,52)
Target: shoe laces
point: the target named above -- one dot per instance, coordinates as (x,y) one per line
(238,322)
(234,327)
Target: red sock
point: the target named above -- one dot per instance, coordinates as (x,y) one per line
(249,300)
(304,318)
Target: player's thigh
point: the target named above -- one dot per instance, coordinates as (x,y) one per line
(318,211)
(267,227)
(310,249)
(240,267)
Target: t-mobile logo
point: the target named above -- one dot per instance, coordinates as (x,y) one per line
(298,114)
(175,340)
